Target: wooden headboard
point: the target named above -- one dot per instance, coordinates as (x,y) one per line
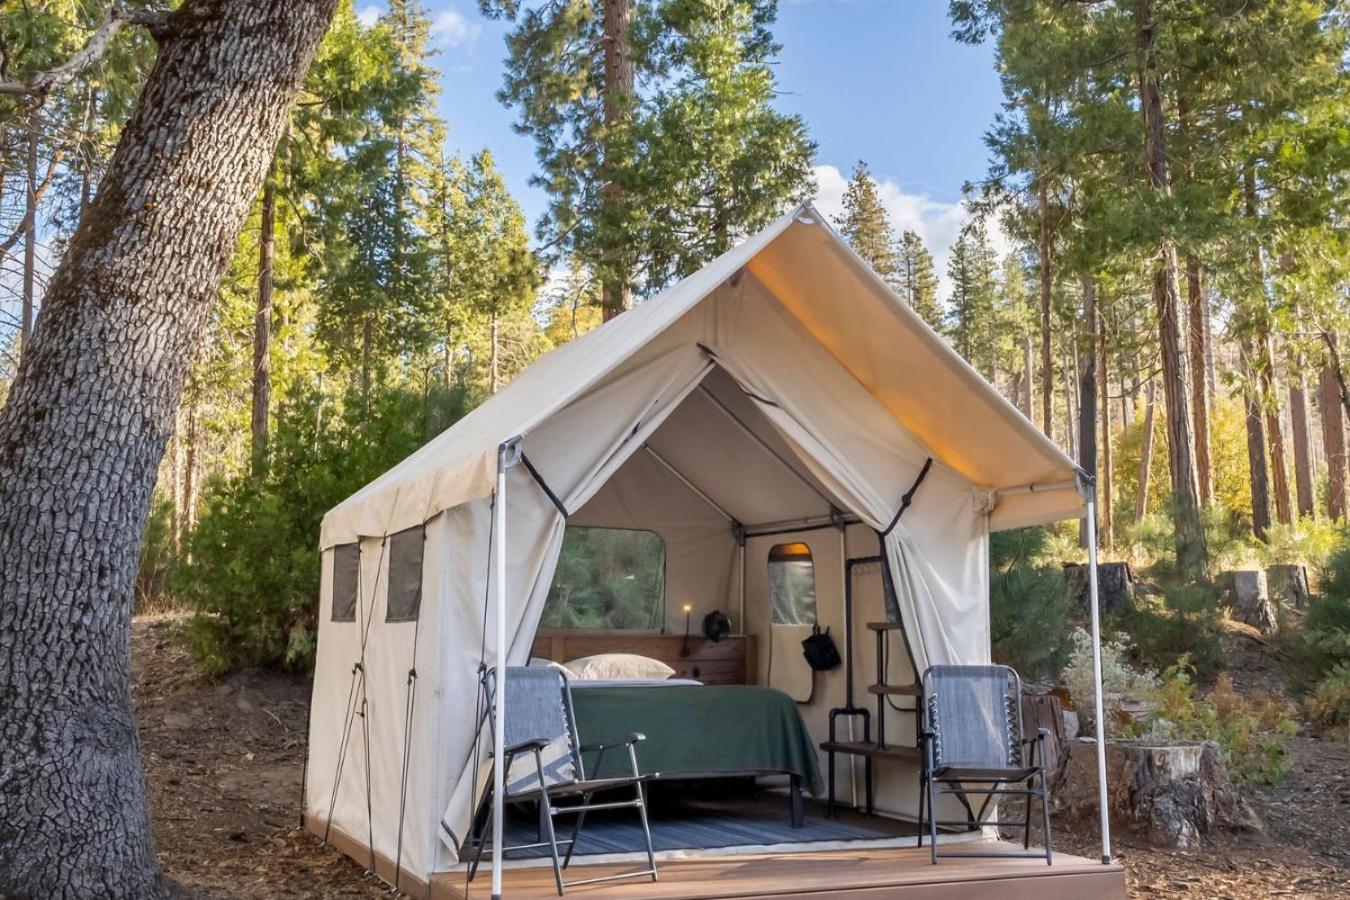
(729,661)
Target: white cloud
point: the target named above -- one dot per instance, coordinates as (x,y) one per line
(938,222)
(367,14)
(450,30)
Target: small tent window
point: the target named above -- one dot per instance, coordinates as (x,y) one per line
(346,581)
(792,584)
(405,574)
(608,578)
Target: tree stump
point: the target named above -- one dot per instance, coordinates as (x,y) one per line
(1045,711)
(1246,594)
(1169,794)
(1115,586)
(1288,584)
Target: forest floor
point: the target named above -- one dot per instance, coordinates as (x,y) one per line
(223,763)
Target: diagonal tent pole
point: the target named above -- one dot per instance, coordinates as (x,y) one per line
(1088,488)
(508,455)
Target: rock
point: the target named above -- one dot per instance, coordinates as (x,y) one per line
(1246,594)
(1071,723)
(1169,794)
(1288,584)
(1115,586)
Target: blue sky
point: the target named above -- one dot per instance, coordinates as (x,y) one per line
(879,80)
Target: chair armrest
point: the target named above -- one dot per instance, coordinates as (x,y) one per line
(1041,735)
(534,744)
(633,738)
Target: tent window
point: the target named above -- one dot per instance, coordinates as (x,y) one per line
(608,578)
(405,574)
(792,584)
(346,581)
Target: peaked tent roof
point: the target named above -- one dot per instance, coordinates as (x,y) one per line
(839,300)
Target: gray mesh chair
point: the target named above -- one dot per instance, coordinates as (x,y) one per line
(543,764)
(974,746)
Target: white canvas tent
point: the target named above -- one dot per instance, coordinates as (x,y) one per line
(782,387)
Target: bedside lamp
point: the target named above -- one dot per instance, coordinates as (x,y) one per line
(684,645)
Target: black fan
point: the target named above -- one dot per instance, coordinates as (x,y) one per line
(716,625)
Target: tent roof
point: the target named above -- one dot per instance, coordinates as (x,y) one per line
(913,373)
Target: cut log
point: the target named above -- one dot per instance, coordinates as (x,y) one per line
(1245,593)
(1045,711)
(1169,794)
(1115,586)
(1288,584)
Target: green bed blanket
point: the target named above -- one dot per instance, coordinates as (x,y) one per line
(694,731)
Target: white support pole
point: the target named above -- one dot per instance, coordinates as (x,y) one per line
(499,683)
(1097,672)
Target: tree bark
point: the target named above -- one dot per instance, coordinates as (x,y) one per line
(1298,420)
(1256,446)
(616,293)
(1198,344)
(1145,455)
(84,429)
(1087,391)
(1190,538)
(1047,281)
(262,322)
(1106,481)
(1334,440)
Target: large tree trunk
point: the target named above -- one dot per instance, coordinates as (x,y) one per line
(1087,390)
(616,292)
(1145,455)
(1190,538)
(262,322)
(84,429)
(1256,446)
(1198,346)
(1047,281)
(1334,440)
(1106,482)
(1298,420)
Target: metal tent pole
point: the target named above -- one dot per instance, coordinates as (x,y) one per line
(507,454)
(1090,494)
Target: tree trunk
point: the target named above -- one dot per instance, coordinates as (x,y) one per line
(1028,402)
(1087,390)
(29,236)
(1198,345)
(495,360)
(1145,456)
(1190,538)
(1047,357)
(1256,446)
(262,322)
(1334,441)
(616,293)
(1298,420)
(1106,481)
(84,429)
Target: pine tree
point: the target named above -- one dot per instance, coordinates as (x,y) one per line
(865,224)
(916,281)
(974,324)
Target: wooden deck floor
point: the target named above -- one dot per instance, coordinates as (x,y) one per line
(878,874)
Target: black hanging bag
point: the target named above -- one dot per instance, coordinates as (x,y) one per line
(819,650)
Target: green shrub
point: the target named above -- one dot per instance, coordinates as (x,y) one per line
(1309,541)
(158,562)
(1253,736)
(1322,644)
(1120,681)
(1031,614)
(253,575)
(1329,703)
(1187,623)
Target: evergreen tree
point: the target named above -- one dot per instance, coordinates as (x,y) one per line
(916,281)
(866,226)
(973,321)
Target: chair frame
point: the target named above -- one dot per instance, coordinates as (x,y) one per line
(1027,781)
(546,794)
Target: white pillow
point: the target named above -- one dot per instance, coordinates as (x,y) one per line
(619,667)
(539,662)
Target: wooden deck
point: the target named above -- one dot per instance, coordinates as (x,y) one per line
(854,874)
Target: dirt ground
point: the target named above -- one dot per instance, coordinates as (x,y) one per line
(223,763)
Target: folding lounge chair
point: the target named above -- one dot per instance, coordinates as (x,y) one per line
(973,746)
(543,763)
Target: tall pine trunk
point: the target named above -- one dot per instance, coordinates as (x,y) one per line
(1046,283)
(1256,445)
(616,292)
(84,429)
(1265,362)
(1190,538)
(1302,441)
(262,322)
(1334,440)
(1145,454)
(1087,389)
(1197,313)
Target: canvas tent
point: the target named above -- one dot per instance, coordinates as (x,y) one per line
(782,387)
